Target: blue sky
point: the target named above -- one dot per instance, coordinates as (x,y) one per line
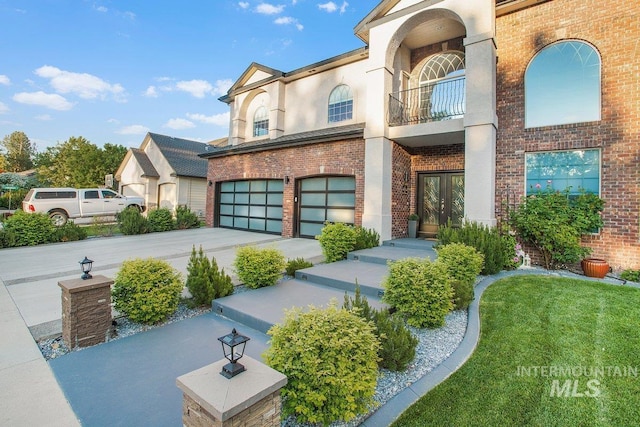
(111,71)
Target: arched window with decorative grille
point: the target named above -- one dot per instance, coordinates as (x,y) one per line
(340,104)
(442,87)
(261,122)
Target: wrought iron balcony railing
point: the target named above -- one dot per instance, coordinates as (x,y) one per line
(443,100)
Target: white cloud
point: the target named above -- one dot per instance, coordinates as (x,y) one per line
(287,20)
(3,108)
(151,92)
(4,80)
(48,100)
(222,86)
(243,4)
(197,88)
(179,124)
(101,9)
(44,117)
(331,7)
(114,121)
(269,9)
(84,85)
(343,8)
(133,130)
(221,119)
(130,15)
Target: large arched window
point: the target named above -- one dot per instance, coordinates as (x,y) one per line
(261,122)
(340,104)
(442,87)
(562,85)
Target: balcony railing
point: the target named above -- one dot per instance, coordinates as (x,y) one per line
(443,100)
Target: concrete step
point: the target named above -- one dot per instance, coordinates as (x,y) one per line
(343,275)
(384,254)
(274,300)
(410,243)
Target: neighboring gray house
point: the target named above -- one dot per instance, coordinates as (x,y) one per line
(167,172)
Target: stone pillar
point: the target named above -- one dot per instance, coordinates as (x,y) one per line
(251,398)
(86,311)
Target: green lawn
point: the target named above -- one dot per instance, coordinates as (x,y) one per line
(532,325)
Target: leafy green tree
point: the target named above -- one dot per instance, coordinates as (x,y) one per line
(19,152)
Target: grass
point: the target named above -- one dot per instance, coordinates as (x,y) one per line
(536,321)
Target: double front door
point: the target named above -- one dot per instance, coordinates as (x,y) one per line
(440,200)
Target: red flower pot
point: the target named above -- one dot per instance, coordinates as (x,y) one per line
(594,267)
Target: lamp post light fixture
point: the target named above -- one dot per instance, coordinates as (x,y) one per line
(86,265)
(233,345)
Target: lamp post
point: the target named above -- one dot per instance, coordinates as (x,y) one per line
(85,265)
(233,345)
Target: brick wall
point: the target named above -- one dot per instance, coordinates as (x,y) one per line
(264,413)
(612,29)
(329,158)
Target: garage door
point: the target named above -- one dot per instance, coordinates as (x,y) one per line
(324,199)
(254,205)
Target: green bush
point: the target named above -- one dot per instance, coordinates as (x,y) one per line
(330,359)
(161,220)
(14,197)
(397,344)
(185,218)
(30,229)
(294,265)
(554,222)
(420,290)
(463,263)
(204,280)
(257,268)
(146,290)
(497,250)
(70,232)
(336,240)
(366,238)
(630,275)
(7,238)
(131,221)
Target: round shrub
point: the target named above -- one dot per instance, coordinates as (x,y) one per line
(146,290)
(257,267)
(420,290)
(30,229)
(330,359)
(336,240)
(463,263)
(161,220)
(131,221)
(204,280)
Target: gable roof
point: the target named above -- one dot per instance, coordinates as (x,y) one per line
(148,170)
(182,154)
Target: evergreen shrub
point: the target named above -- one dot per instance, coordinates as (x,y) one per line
(630,275)
(463,263)
(147,290)
(70,232)
(30,229)
(366,238)
(161,219)
(330,359)
(294,265)
(337,240)
(204,280)
(257,267)
(130,222)
(420,290)
(185,218)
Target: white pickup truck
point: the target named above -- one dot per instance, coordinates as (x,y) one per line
(64,203)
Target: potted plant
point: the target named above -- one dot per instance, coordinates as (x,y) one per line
(413,225)
(595,267)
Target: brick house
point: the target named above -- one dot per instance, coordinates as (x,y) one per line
(453,109)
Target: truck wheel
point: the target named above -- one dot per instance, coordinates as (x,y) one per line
(58,217)
(138,208)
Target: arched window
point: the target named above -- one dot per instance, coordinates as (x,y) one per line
(340,104)
(442,87)
(562,85)
(261,122)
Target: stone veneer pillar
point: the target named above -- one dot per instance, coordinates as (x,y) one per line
(251,398)
(86,311)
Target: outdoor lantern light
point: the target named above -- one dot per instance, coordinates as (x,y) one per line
(86,265)
(233,345)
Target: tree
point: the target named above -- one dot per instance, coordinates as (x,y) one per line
(78,163)
(19,152)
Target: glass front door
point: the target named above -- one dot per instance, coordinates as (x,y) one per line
(440,200)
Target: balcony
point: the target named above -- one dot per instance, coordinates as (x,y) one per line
(442,100)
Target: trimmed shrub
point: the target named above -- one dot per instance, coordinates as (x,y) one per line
(7,238)
(204,281)
(30,229)
(630,275)
(185,218)
(257,268)
(420,290)
(463,263)
(336,240)
(146,290)
(161,220)
(330,359)
(70,232)
(397,344)
(294,265)
(366,238)
(131,221)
